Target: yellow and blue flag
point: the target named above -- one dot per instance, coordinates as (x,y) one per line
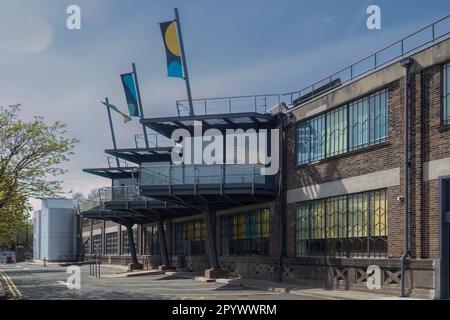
(173,52)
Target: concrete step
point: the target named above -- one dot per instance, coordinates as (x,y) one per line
(139,273)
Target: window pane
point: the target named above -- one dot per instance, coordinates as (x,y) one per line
(336,132)
(446,93)
(190,238)
(111,243)
(303,229)
(303,143)
(317,132)
(352,225)
(246,233)
(359,123)
(378,116)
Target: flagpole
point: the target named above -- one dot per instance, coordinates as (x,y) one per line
(112,130)
(183,58)
(141,110)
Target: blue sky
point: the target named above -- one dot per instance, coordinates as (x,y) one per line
(234,47)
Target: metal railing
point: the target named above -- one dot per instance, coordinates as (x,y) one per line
(229,105)
(116,193)
(203,174)
(438,30)
(112,162)
(95,266)
(89,205)
(154,141)
(124,193)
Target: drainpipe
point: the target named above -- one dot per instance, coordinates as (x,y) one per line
(406,63)
(284,120)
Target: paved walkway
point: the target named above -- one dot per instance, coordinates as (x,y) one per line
(33,280)
(312,292)
(36,282)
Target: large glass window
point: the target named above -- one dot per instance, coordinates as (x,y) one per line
(111,243)
(87,247)
(97,244)
(190,238)
(311,140)
(151,240)
(353,126)
(352,225)
(245,233)
(126,242)
(368,120)
(336,129)
(446,93)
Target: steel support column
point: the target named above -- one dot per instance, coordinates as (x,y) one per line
(163,245)
(135,263)
(210,234)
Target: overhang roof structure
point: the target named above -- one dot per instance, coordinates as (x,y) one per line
(244,120)
(113,173)
(137,211)
(141,155)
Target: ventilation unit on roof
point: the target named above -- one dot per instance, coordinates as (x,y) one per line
(326,87)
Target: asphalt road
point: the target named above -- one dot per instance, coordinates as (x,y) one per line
(36,282)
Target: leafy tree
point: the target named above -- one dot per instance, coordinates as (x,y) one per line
(13,219)
(30,155)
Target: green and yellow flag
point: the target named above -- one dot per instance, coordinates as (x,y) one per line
(126,118)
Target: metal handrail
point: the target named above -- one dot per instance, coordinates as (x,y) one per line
(155,140)
(112,162)
(201,174)
(120,193)
(106,194)
(314,89)
(228,105)
(86,205)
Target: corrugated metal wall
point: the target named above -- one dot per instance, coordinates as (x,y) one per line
(55,230)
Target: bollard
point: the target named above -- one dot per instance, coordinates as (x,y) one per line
(45,262)
(99,268)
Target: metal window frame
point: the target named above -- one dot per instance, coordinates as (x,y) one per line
(111,239)
(182,236)
(346,109)
(445,71)
(341,244)
(239,236)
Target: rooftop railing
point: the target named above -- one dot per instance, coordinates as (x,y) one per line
(203,174)
(229,105)
(154,141)
(437,31)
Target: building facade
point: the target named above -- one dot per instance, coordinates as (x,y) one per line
(351,181)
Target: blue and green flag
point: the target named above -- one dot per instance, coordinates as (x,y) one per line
(172,46)
(129,86)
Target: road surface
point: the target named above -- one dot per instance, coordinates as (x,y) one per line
(36,282)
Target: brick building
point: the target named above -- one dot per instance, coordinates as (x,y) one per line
(337,204)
